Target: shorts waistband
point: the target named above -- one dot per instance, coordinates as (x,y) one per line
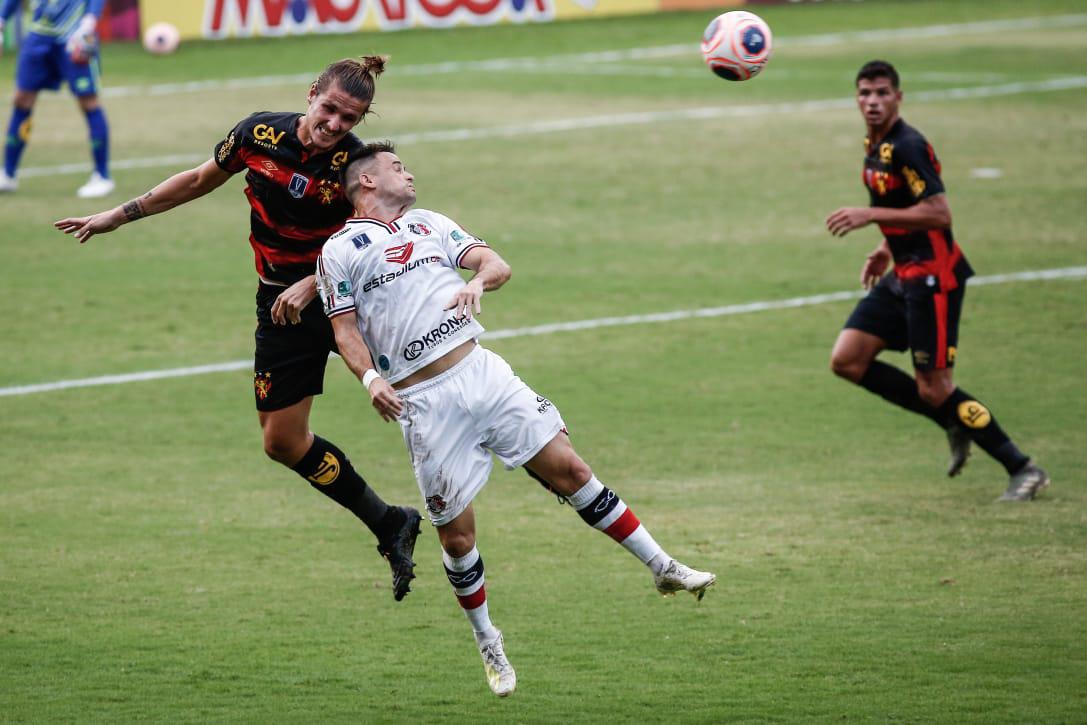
(442,376)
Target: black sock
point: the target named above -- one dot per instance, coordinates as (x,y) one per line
(329,471)
(895,386)
(964,409)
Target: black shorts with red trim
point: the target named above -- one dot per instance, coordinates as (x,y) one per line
(915,315)
(289,362)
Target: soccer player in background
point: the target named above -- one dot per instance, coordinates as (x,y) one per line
(390,285)
(293,164)
(60,45)
(917,307)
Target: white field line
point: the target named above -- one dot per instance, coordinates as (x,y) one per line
(726,311)
(618,119)
(557,62)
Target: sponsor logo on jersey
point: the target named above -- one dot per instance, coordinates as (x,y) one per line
(327,471)
(298,186)
(264,132)
(343,288)
(544,405)
(392,276)
(262,385)
(920,358)
(419,228)
(225,148)
(338,159)
(400,254)
(435,504)
(917,184)
(435,337)
(268,168)
(952,351)
(383,362)
(973,414)
(459,236)
(361,241)
(886,152)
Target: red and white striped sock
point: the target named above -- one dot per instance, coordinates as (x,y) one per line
(465,573)
(602,509)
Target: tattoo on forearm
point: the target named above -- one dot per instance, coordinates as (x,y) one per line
(134,210)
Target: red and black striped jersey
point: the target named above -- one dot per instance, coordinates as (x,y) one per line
(899,172)
(296,198)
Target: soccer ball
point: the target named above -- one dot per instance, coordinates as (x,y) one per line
(736,45)
(161,39)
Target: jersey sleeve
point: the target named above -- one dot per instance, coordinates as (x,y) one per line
(917,162)
(334,283)
(455,241)
(227,152)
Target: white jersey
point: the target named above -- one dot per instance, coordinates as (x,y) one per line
(397,277)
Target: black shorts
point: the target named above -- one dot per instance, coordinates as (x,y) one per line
(289,362)
(916,315)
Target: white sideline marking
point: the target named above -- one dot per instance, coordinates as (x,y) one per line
(619,119)
(726,311)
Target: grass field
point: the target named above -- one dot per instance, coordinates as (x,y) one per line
(154,565)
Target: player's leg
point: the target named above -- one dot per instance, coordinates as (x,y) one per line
(878,322)
(83,82)
(464,569)
(290,365)
(35,70)
(934,325)
(601,508)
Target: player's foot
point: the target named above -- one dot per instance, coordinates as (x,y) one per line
(398,551)
(97,186)
(500,674)
(676,577)
(1025,484)
(958,439)
(7,183)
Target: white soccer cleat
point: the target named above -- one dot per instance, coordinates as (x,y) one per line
(676,577)
(7,183)
(500,674)
(97,186)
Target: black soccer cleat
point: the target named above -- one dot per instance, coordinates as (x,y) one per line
(398,552)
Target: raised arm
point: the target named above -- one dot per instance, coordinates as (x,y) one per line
(491,272)
(174,191)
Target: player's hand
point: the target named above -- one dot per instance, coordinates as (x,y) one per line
(290,303)
(83,43)
(85,227)
(875,266)
(849,218)
(385,400)
(466,301)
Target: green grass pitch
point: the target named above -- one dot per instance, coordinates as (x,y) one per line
(155,566)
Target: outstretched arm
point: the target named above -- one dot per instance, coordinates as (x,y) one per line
(176,190)
(354,352)
(491,272)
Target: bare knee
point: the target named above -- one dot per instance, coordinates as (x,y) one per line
(286,447)
(848,367)
(457,543)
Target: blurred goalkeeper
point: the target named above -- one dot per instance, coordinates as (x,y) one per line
(61,45)
(292,164)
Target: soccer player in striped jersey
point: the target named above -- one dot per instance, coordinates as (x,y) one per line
(390,285)
(60,45)
(292,164)
(917,307)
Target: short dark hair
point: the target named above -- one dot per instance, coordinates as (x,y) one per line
(359,158)
(874,69)
(355,76)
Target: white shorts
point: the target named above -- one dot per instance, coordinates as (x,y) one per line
(453,421)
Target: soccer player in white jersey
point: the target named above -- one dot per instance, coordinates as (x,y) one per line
(390,284)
